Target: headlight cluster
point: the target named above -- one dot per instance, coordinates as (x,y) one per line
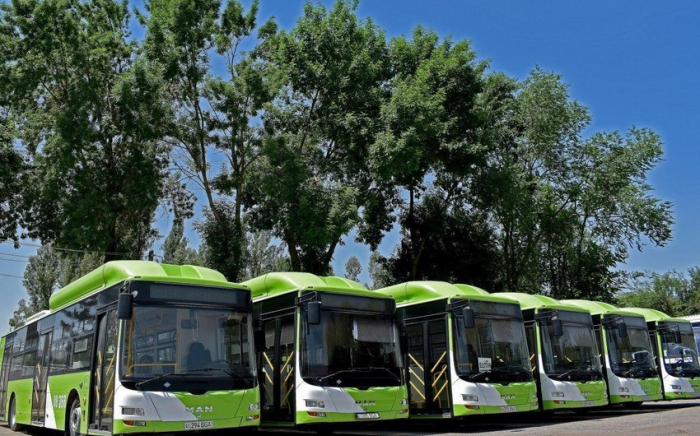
(315,403)
(254,406)
(557,394)
(403,401)
(623,389)
(134,411)
(466,397)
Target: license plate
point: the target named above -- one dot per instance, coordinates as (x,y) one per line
(199,425)
(586,403)
(646,398)
(373,415)
(507,408)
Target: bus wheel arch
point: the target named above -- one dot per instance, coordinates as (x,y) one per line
(12,414)
(72,425)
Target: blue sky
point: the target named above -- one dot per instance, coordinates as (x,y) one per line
(631,62)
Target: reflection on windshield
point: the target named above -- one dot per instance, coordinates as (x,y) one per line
(348,349)
(574,354)
(493,345)
(630,356)
(177,341)
(680,359)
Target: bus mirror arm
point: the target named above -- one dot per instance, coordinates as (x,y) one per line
(677,336)
(259,338)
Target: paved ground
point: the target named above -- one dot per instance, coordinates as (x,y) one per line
(676,418)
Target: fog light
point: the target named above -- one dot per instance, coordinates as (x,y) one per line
(138,411)
(318,414)
(135,423)
(252,417)
(315,403)
(474,398)
(403,411)
(254,406)
(471,407)
(559,401)
(557,394)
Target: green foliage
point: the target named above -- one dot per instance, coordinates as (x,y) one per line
(175,249)
(673,293)
(12,165)
(378,271)
(89,111)
(353,268)
(313,179)
(263,256)
(221,240)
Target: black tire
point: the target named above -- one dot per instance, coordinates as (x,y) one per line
(73,418)
(12,416)
(635,405)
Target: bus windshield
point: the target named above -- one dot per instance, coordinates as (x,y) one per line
(210,344)
(680,358)
(495,345)
(630,356)
(351,349)
(574,355)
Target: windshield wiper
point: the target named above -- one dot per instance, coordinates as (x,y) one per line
(226,370)
(356,370)
(333,374)
(380,368)
(580,370)
(158,377)
(473,377)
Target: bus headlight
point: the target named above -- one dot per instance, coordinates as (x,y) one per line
(135,411)
(254,406)
(403,401)
(466,397)
(557,394)
(623,389)
(315,403)
(676,387)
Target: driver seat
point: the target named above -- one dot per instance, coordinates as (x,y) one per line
(199,357)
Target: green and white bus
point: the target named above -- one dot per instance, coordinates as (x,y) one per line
(329,351)
(564,354)
(628,358)
(135,347)
(675,353)
(466,351)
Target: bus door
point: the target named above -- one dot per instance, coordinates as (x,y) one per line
(428,370)
(5,375)
(277,369)
(41,377)
(103,371)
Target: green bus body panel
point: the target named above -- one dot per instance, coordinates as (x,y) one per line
(60,387)
(529,301)
(600,308)
(279,283)
(653,315)
(223,402)
(22,390)
(112,273)
(425,291)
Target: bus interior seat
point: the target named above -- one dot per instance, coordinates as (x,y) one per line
(199,357)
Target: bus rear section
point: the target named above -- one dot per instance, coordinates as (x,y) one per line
(461,365)
(627,354)
(564,353)
(329,353)
(136,347)
(675,353)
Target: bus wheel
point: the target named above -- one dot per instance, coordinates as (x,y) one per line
(635,405)
(73,422)
(12,420)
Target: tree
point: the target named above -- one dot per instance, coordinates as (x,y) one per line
(213,113)
(176,250)
(263,256)
(89,112)
(567,206)
(428,141)
(20,315)
(41,278)
(353,268)
(13,165)
(671,292)
(378,271)
(312,178)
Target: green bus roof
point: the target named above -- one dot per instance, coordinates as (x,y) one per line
(653,315)
(600,308)
(115,272)
(530,301)
(425,291)
(279,283)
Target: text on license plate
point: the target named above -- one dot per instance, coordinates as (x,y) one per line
(646,398)
(372,415)
(508,409)
(198,425)
(586,403)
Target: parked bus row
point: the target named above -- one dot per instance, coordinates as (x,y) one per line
(142,347)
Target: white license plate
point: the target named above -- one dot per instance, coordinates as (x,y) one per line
(586,403)
(373,415)
(508,409)
(199,425)
(646,398)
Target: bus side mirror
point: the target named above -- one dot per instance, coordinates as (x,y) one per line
(677,336)
(557,328)
(125,306)
(313,313)
(622,329)
(468,317)
(259,338)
